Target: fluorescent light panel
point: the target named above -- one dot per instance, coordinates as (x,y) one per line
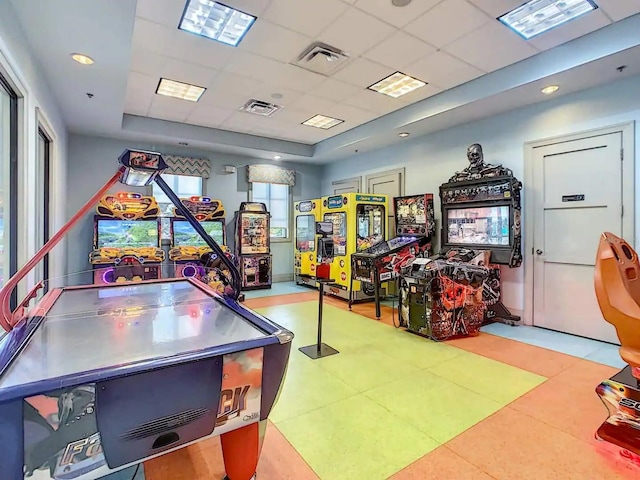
(397,85)
(320,121)
(538,16)
(216,21)
(183,91)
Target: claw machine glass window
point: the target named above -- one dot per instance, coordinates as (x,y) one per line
(305,233)
(339,220)
(371,225)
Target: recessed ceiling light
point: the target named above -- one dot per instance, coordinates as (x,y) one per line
(403,134)
(83,59)
(277,157)
(320,121)
(550,89)
(183,91)
(216,21)
(538,16)
(397,85)
(400,3)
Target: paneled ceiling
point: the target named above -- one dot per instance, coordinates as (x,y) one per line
(453,45)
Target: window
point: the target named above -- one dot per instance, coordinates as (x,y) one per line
(184,186)
(276,198)
(43,157)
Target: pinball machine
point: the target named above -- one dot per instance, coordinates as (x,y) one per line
(253,245)
(96,378)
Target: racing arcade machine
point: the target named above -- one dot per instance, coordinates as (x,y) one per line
(415,224)
(126,239)
(307,213)
(253,245)
(81,397)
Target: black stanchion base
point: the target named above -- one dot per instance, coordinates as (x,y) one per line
(312,351)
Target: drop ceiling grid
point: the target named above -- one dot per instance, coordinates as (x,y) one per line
(443,42)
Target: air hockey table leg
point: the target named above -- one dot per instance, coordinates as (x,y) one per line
(241,450)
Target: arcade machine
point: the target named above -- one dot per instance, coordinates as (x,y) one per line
(126,239)
(617,286)
(415,224)
(82,396)
(253,245)
(359,223)
(307,213)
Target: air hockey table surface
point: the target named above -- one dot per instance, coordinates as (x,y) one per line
(101,377)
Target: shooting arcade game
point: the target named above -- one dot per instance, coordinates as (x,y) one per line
(253,245)
(306,214)
(83,395)
(191,255)
(415,225)
(126,239)
(617,286)
(359,223)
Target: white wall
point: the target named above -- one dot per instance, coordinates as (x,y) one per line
(37,105)
(92,160)
(430,160)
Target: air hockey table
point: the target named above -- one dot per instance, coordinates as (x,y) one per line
(96,378)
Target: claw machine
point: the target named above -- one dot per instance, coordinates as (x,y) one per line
(253,247)
(307,213)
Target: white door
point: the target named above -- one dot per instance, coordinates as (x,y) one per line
(577,195)
(346,186)
(389,183)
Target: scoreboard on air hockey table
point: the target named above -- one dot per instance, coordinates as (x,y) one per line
(97,378)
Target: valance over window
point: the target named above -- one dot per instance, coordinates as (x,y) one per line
(193,167)
(271,174)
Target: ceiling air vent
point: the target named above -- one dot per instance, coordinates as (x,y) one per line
(258,107)
(322,58)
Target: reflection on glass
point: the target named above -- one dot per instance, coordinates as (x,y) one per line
(5,129)
(370,226)
(185,235)
(253,234)
(305,233)
(479,226)
(339,220)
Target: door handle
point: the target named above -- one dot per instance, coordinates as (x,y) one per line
(538,252)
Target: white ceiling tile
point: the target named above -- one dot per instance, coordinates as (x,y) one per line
(265,92)
(208,116)
(188,73)
(293,116)
(375,102)
(491,47)
(172,109)
(252,7)
(141,83)
(335,90)
(137,101)
(619,9)
(398,16)
(254,66)
(576,28)
(297,78)
(266,132)
(236,84)
(165,12)
(273,41)
(442,70)
(356,32)
(147,62)
(309,17)
(352,115)
(363,73)
(149,36)
(399,50)
(314,104)
(420,94)
(447,22)
(497,8)
(222,99)
(243,121)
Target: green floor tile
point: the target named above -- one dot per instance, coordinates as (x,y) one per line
(355,439)
(498,381)
(417,351)
(435,406)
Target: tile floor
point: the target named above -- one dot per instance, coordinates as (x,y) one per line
(513,403)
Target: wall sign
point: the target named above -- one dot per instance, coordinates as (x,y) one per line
(335,202)
(306,206)
(573,198)
(370,198)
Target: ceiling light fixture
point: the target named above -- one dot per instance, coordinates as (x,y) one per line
(216,21)
(397,85)
(277,157)
(550,89)
(400,3)
(323,122)
(83,59)
(403,134)
(183,91)
(538,16)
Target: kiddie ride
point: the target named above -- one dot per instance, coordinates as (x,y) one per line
(96,378)
(617,286)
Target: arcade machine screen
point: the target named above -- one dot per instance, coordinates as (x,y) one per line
(411,215)
(370,220)
(479,226)
(305,233)
(127,233)
(185,235)
(339,220)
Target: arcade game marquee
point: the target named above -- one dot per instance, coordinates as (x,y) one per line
(83,395)
(359,223)
(126,239)
(307,214)
(415,224)
(253,245)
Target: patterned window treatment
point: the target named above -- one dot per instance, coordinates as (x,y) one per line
(271,174)
(193,167)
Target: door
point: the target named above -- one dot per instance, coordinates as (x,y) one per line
(43,202)
(346,186)
(389,183)
(578,195)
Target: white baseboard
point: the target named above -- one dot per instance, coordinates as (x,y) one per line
(282,277)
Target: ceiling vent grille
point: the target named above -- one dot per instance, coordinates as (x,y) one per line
(258,107)
(322,58)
